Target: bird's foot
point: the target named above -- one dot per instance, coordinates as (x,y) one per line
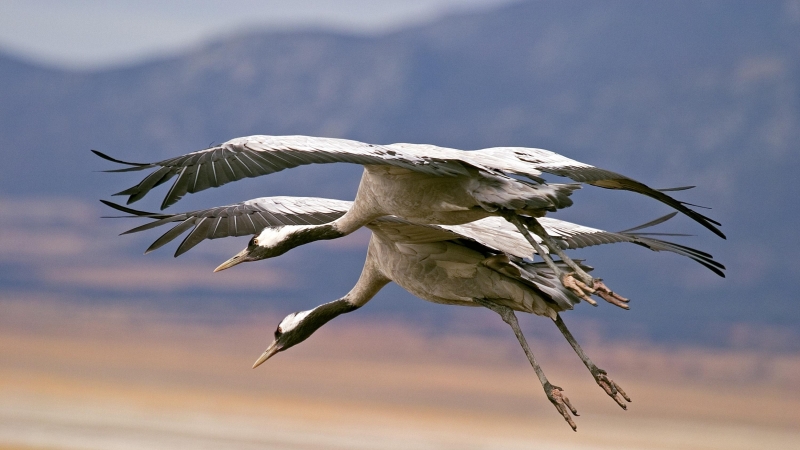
(612,388)
(608,295)
(556,396)
(578,287)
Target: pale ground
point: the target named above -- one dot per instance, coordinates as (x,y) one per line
(112,378)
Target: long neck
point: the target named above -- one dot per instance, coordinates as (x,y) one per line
(371,280)
(365,209)
(369,283)
(316,233)
(322,314)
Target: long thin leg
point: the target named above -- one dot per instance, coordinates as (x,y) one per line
(554,393)
(537,228)
(600,375)
(576,286)
(596,284)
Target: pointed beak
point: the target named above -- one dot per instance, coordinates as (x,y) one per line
(271,350)
(240,257)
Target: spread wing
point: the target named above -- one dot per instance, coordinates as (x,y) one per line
(252,216)
(498,233)
(531,162)
(253,156)
(240,219)
(400,230)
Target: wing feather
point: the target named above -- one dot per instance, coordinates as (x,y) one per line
(533,161)
(171,234)
(492,232)
(498,233)
(259,155)
(239,219)
(197,235)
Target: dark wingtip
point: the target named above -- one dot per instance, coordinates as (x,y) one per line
(629,184)
(102,155)
(119,161)
(698,206)
(124,209)
(673,189)
(712,268)
(652,223)
(168,202)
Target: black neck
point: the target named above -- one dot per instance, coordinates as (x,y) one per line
(315,233)
(322,314)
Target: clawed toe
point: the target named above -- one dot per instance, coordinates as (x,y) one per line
(608,295)
(612,388)
(598,288)
(556,396)
(578,287)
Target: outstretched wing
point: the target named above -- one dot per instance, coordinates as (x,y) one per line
(531,162)
(240,219)
(399,230)
(498,233)
(252,156)
(252,216)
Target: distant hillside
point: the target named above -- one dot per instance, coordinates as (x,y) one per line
(671,93)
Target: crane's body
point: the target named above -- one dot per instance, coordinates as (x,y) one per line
(421,183)
(449,226)
(454,200)
(449,273)
(445,266)
(476,264)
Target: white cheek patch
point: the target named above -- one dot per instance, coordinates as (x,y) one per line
(292,320)
(270,237)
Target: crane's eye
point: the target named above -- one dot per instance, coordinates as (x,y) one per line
(278,333)
(252,242)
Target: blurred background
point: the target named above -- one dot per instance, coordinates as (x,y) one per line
(102,347)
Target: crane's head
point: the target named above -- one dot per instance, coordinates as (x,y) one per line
(275,241)
(297,327)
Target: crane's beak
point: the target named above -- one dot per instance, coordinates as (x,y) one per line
(240,257)
(271,350)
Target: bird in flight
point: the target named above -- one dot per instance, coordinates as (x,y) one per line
(423,184)
(481,263)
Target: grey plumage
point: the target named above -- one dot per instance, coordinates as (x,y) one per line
(423,184)
(441,266)
(449,226)
(475,264)
(493,232)
(253,156)
(239,219)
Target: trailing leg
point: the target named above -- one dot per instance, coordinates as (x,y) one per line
(578,287)
(600,375)
(554,393)
(585,281)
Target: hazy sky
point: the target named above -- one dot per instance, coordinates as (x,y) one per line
(94,33)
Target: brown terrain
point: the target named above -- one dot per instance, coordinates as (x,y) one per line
(79,377)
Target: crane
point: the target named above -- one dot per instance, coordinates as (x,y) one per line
(420,183)
(478,264)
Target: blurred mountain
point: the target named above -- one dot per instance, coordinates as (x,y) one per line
(677,93)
